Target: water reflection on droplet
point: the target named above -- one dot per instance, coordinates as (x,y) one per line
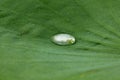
(63,39)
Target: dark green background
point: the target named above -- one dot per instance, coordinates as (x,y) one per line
(27,53)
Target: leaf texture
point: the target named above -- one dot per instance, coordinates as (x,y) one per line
(27,53)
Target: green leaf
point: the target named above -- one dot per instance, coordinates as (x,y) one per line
(27,53)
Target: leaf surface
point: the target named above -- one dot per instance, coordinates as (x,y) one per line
(27,53)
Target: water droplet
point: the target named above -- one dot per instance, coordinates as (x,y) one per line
(63,39)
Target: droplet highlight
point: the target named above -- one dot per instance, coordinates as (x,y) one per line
(63,39)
